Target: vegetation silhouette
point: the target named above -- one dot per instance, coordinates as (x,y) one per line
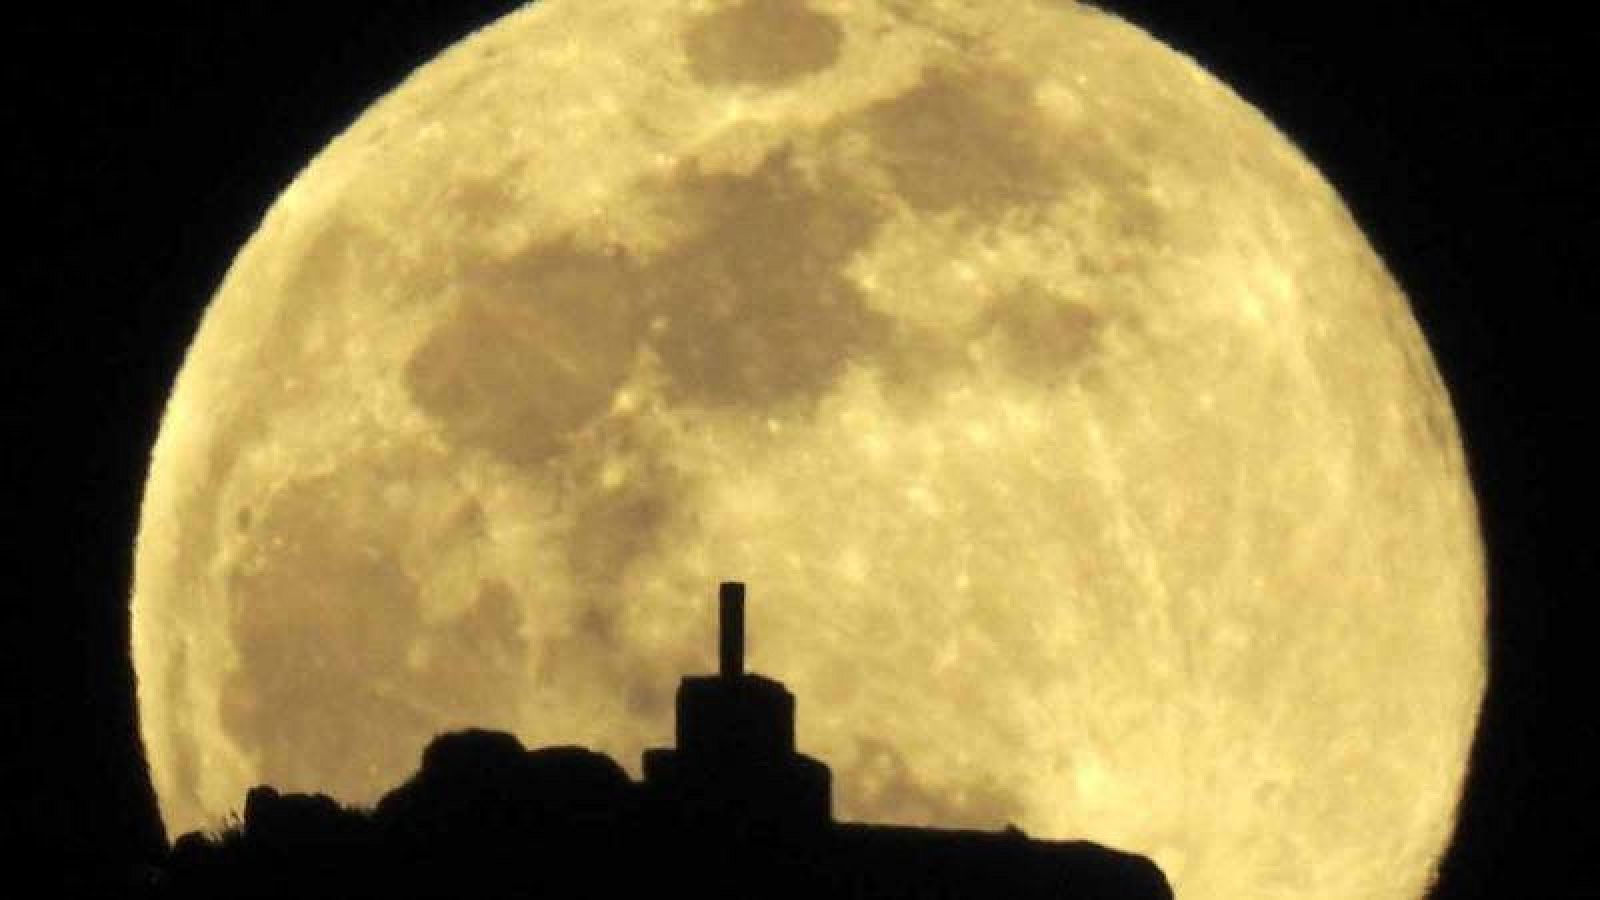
(733,811)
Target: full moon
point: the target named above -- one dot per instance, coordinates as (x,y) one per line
(1087,466)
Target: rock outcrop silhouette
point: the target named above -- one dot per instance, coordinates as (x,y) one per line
(732,811)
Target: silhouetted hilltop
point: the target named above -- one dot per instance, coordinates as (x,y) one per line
(481,783)
(732,811)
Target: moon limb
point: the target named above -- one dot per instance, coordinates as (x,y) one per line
(1143,321)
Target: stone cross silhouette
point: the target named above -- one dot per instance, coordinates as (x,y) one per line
(732,616)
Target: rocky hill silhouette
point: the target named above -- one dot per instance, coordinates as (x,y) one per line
(733,811)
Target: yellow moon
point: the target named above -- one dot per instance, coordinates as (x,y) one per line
(1088,468)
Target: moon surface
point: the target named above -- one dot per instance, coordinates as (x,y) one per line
(1088,468)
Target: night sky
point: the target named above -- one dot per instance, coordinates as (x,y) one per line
(143,145)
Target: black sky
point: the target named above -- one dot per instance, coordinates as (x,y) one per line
(142,145)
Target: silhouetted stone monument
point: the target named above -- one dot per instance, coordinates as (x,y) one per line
(735,765)
(732,811)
